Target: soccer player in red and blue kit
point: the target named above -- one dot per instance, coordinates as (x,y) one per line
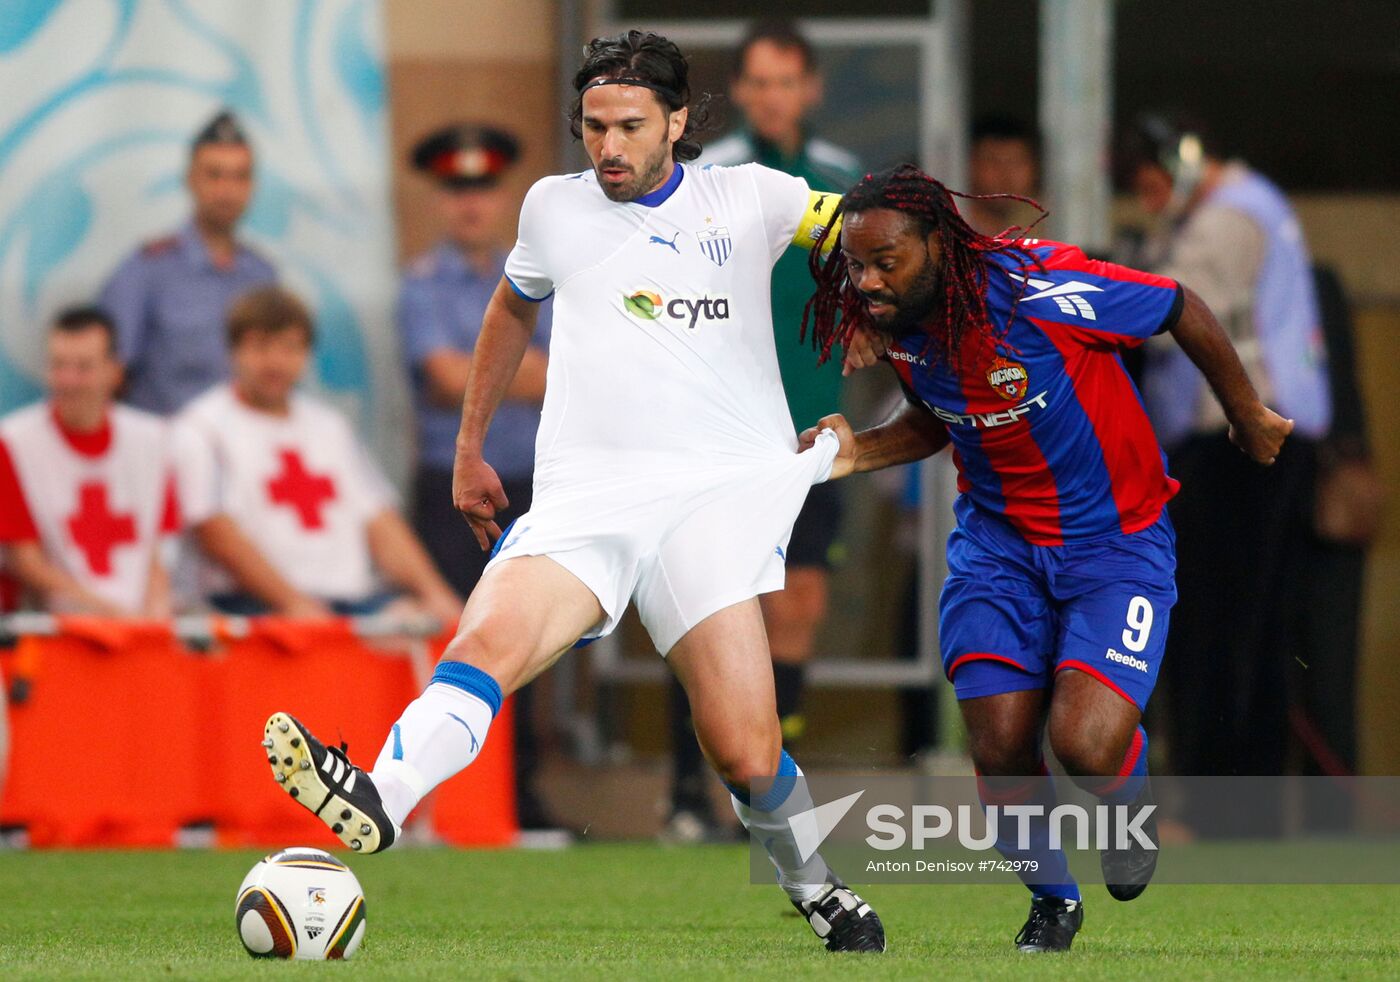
(1061,566)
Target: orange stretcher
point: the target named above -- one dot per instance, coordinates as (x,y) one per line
(126,737)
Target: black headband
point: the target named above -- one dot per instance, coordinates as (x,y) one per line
(671,96)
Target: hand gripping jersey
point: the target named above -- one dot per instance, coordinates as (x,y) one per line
(96,503)
(663,400)
(1048,431)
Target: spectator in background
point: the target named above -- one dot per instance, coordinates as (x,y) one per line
(86,489)
(169,299)
(1346,518)
(1242,530)
(444,295)
(776,83)
(1003,158)
(289,510)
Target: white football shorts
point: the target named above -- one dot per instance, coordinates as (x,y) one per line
(681,550)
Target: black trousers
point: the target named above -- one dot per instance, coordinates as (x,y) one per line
(1324,691)
(453,548)
(1244,534)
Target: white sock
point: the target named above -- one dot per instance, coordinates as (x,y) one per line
(439,734)
(800,880)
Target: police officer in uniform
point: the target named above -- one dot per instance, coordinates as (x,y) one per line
(169,298)
(443,298)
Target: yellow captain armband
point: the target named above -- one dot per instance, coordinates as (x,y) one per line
(821,206)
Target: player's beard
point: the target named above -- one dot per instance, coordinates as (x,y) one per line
(915,307)
(648,178)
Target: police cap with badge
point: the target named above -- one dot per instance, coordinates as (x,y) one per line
(466,156)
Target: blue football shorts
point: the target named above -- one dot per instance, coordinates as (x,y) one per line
(1013,614)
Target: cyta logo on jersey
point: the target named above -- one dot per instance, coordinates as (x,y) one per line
(685,311)
(1008,379)
(643,304)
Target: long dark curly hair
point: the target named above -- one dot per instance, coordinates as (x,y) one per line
(837,308)
(649,58)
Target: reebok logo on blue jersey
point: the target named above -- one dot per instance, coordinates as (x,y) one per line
(1066,295)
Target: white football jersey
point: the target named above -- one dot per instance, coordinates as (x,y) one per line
(300,487)
(98,515)
(662,364)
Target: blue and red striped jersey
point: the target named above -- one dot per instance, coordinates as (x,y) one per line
(1048,430)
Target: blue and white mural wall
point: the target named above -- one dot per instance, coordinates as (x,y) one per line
(100,99)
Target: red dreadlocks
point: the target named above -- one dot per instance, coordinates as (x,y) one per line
(837,308)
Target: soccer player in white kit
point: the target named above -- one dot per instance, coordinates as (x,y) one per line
(666,469)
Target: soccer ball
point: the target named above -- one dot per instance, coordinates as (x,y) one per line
(300,903)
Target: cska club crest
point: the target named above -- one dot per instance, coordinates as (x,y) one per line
(1008,379)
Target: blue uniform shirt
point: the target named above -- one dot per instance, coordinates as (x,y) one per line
(169,301)
(441,306)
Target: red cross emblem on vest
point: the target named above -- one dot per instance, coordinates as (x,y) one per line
(96,530)
(304,491)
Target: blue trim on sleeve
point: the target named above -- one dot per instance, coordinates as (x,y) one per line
(772,799)
(1173,315)
(525,296)
(653,198)
(472,680)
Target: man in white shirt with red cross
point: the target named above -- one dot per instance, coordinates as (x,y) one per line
(666,470)
(86,490)
(290,513)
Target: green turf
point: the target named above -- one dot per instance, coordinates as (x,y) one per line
(643,911)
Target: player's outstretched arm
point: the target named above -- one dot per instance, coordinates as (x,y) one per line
(911,433)
(1254,428)
(506,330)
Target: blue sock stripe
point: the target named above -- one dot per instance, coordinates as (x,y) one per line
(471,679)
(783,783)
(398,743)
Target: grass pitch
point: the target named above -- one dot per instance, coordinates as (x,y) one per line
(643,911)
